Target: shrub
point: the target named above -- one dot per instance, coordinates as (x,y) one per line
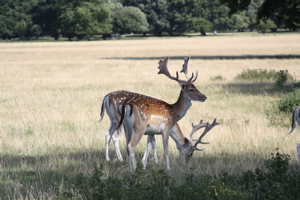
(272,181)
(217,78)
(280,77)
(257,75)
(290,101)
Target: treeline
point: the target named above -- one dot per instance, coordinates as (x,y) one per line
(83,18)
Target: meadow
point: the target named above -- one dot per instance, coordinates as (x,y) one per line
(51,93)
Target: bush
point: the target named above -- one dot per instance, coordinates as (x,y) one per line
(280,77)
(273,181)
(256,75)
(280,112)
(218,78)
(290,101)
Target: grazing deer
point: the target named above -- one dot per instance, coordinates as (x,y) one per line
(296,118)
(184,146)
(134,133)
(112,103)
(146,115)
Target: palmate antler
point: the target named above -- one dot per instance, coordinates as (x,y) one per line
(207,127)
(163,69)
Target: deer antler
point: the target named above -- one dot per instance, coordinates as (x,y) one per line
(163,69)
(185,70)
(207,126)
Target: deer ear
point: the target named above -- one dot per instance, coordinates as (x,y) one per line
(186,141)
(183,86)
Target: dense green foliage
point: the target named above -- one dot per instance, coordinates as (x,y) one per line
(202,25)
(272,181)
(283,12)
(85,18)
(34,18)
(290,101)
(130,19)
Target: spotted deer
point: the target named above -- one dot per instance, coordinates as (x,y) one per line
(147,115)
(112,103)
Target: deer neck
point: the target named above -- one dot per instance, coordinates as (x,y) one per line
(177,135)
(181,106)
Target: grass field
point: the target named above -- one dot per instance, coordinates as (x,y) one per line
(51,93)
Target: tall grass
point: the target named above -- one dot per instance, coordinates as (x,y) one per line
(50,97)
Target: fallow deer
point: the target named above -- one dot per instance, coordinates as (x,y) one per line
(146,115)
(111,103)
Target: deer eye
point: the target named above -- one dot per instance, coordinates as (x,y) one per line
(192,90)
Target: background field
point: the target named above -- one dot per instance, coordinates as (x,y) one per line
(51,93)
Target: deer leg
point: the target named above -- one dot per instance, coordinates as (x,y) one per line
(135,139)
(166,149)
(108,136)
(151,143)
(116,138)
(154,149)
(297,116)
(298,150)
(128,135)
(107,140)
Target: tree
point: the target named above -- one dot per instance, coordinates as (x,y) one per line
(236,5)
(13,16)
(240,21)
(21,28)
(130,19)
(282,12)
(214,12)
(156,12)
(36,31)
(202,25)
(46,14)
(79,18)
(251,12)
(263,26)
(179,16)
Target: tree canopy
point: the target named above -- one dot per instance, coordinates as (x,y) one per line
(282,12)
(130,19)
(79,18)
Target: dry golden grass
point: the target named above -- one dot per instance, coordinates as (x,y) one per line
(50,97)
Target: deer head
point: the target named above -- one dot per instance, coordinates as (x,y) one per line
(188,89)
(188,151)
